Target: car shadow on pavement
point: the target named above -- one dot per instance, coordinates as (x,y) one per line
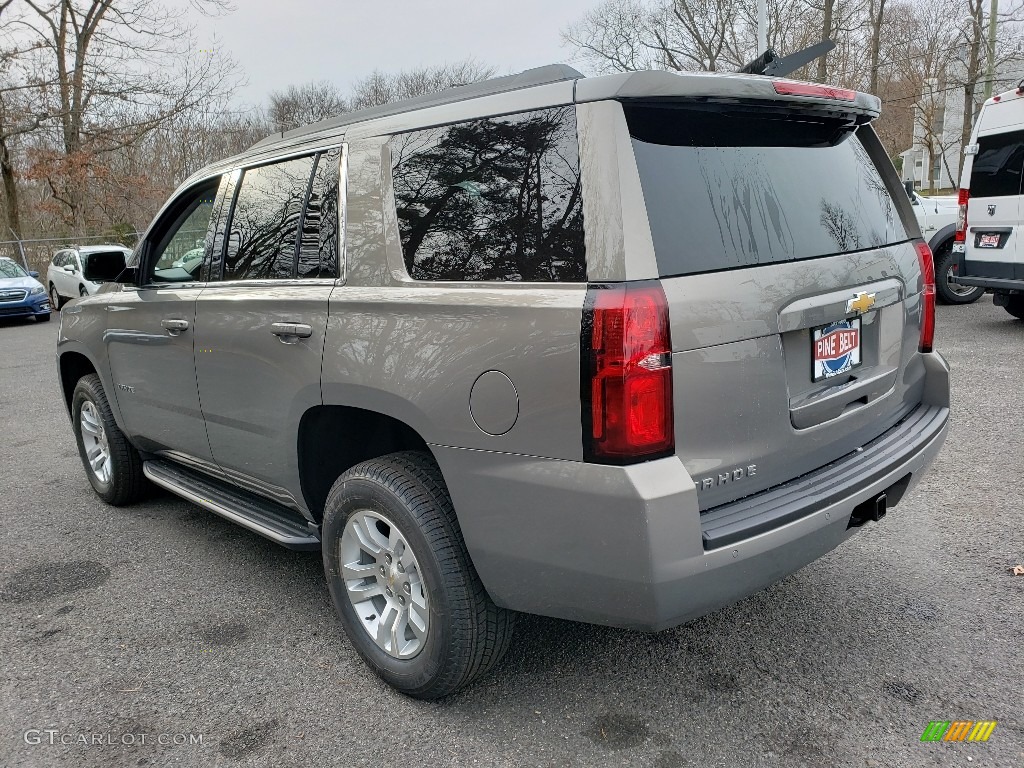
(803,662)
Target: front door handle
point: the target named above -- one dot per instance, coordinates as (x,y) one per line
(289,332)
(174,326)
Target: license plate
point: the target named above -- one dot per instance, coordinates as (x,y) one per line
(835,348)
(989,241)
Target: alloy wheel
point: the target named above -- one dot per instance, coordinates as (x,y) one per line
(94,438)
(956,288)
(383,581)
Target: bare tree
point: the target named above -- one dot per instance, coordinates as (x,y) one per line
(827,30)
(14,123)
(116,70)
(17,116)
(888,47)
(385,87)
(876,20)
(973,30)
(609,37)
(304,104)
(623,35)
(692,34)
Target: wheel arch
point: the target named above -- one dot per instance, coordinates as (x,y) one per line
(940,238)
(71,367)
(334,438)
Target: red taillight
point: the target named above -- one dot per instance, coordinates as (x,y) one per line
(924,257)
(627,374)
(961,215)
(791,88)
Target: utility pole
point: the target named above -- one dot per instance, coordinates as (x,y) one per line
(762,26)
(990,69)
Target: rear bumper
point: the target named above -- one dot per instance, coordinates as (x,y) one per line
(997,284)
(626,546)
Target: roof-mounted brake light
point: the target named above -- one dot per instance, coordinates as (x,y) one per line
(790,88)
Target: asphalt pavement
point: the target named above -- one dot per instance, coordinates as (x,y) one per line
(162,635)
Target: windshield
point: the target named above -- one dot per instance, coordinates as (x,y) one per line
(9,268)
(731,190)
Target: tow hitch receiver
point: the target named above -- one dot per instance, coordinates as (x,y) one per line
(872,509)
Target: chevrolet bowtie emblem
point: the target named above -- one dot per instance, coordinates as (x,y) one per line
(860,303)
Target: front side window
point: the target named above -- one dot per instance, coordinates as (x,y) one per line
(493,199)
(263,233)
(178,249)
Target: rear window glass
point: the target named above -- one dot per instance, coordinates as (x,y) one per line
(726,190)
(996,170)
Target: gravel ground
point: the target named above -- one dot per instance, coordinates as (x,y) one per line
(163,622)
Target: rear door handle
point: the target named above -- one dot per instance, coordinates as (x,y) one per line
(174,326)
(288,332)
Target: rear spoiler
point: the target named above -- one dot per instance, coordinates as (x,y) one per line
(713,86)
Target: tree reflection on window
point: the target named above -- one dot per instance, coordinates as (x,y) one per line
(494,199)
(265,221)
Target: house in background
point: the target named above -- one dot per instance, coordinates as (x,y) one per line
(933,160)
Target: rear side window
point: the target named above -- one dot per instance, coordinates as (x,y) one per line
(265,218)
(494,199)
(996,171)
(733,189)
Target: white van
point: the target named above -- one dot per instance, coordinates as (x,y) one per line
(990,223)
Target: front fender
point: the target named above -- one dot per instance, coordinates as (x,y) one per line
(82,334)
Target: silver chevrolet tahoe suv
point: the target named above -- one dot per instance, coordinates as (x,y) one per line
(621,350)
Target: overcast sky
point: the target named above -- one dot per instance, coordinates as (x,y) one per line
(279,43)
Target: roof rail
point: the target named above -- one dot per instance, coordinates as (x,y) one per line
(552,73)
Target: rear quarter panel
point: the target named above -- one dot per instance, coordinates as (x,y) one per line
(413,350)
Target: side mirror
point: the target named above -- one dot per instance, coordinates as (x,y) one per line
(33,273)
(69,268)
(107,267)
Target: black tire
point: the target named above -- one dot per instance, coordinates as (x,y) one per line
(1015,305)
(55,299)
(82,292)
(944,266)
(126,483)
(43,318)
(467,633)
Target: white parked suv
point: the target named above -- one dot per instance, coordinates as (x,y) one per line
(65,277)
(937,219)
